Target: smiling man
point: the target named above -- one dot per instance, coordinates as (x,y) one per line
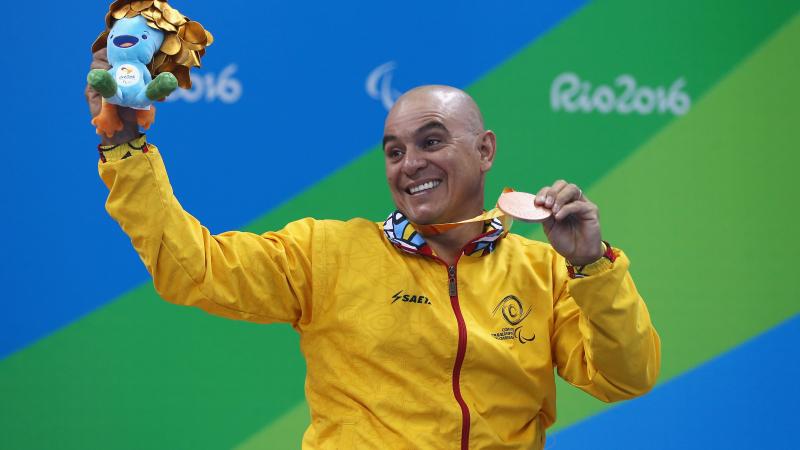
(413,339)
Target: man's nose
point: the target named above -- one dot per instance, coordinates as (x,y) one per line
(414,161)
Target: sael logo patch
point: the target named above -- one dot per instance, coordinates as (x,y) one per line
(410,298)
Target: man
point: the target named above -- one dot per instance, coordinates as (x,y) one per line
(413,339)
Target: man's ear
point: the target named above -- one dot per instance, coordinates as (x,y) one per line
(487,146)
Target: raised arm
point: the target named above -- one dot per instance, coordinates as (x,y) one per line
(261,278)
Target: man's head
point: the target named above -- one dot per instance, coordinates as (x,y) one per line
(437,154)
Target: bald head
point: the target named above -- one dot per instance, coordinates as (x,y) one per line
(448,101)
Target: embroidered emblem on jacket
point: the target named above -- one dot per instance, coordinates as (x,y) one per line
(513,312)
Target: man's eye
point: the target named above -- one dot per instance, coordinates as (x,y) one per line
(430,142)
(394,153)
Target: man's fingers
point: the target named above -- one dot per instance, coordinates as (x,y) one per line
(584,209)
(568,194)
(558,195)
(94,100)
(100,60)
(97,64)
(101,55)
(549,193)
(541,196)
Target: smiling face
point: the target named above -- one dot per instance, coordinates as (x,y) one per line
(437,155)
(131,39)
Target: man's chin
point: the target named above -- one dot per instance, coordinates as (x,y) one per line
(422,218)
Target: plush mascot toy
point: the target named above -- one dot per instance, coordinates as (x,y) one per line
(151,48)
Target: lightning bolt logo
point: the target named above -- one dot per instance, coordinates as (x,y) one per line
(396,296)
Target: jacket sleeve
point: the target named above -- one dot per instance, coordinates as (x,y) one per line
(603,340)
(260,278)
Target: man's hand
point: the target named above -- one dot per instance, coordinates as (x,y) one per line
(574,228)
(130,128)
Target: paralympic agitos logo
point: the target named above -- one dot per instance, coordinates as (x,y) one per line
(513,311)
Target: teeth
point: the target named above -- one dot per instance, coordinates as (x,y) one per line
(424,186)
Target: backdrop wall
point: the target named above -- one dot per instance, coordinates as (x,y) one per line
(679,119)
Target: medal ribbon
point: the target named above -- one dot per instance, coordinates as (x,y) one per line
(494,213)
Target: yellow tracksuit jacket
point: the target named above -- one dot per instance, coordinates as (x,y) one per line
(402,351)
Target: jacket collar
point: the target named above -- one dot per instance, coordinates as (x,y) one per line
(401,233)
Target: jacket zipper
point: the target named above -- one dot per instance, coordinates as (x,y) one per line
(452,285)
(452,289)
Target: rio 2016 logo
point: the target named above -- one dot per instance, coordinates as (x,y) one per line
(571,94)
(209,87)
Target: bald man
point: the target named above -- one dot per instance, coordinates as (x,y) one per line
(412,339)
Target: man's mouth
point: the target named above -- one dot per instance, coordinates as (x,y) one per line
(424,187)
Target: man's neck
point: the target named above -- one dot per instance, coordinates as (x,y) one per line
(448,245)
